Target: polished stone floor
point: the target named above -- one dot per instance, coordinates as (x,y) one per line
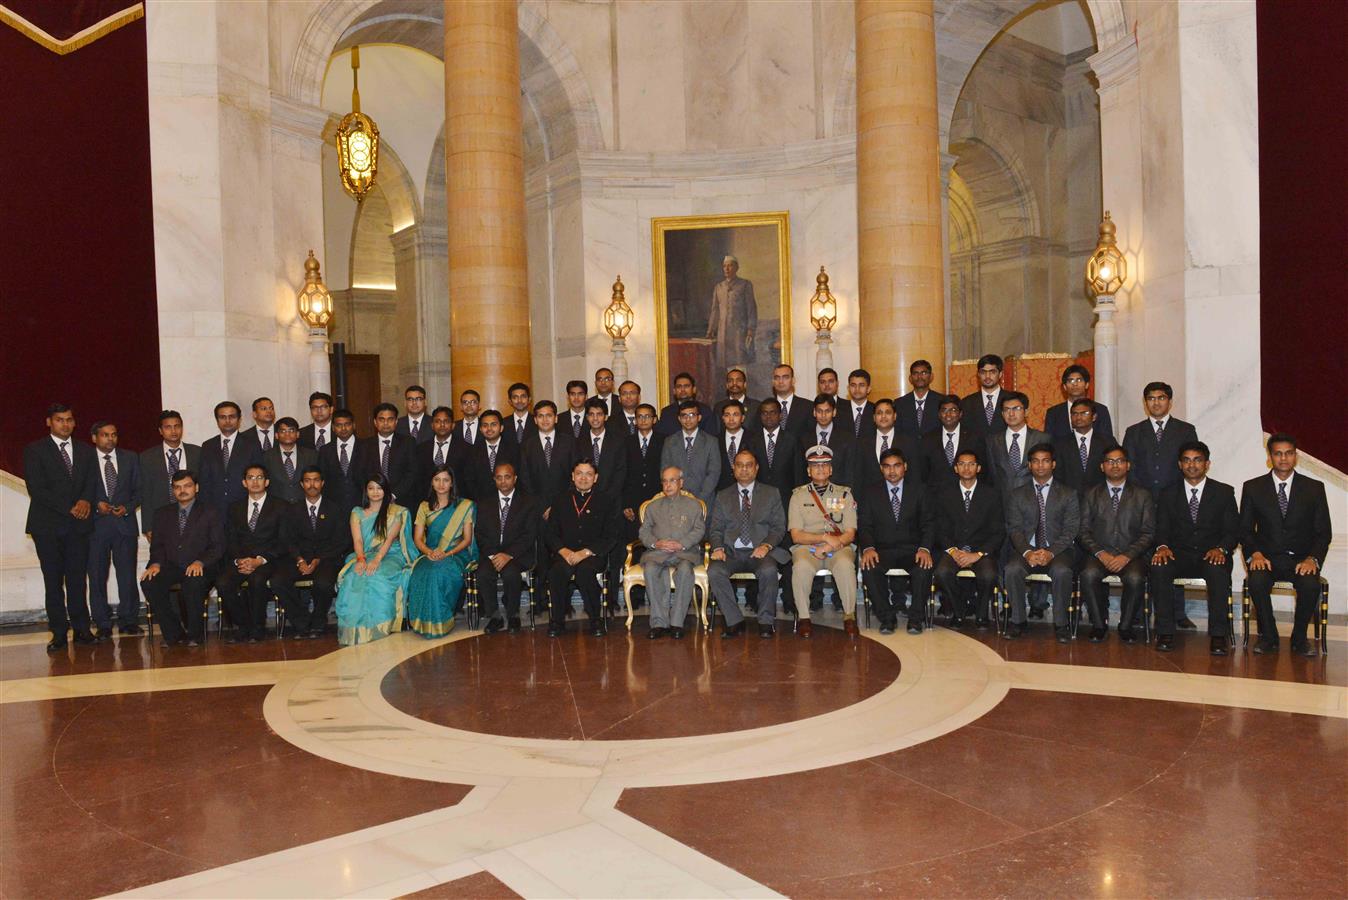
(954,764)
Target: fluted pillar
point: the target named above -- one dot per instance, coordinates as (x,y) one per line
(484,187)
(902,297)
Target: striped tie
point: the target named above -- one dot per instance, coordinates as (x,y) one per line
(1282,498)
(1193,505)
(1085,454)
(547,452)
(342,459)
(290,465)
(491,457)
(895,502)
(989,412)
(1015,453)
(110,475)
(746,506)
(320,438)
(1160,431)
(173,466)
(1114,499)
(772,449)
(1041,527)
(949,449)
(383,458)
(920,405)
(645,445)
(182,520)
(252,520)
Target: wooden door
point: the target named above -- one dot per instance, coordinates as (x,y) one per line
(362,389)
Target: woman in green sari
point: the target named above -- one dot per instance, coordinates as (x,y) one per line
(372,584)
(444,536)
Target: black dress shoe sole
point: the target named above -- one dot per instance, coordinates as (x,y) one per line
(57,648)
(1187,624)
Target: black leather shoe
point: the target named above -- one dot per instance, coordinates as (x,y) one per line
(888,627)
(1165,643)
(957,622)
(1037,612)
(598,630)
(85,637)
(1098,635)
(1127,635)
(131,629)
(1062,634)
(1015,630)
(236,639)
(767,631)
(1305,648)
(103,634)
(514,626)
(816,605)
(556,630)
(656,633)
(914,627)
(494,626)
(983,624)
(1186,623)
(1217,646)
(735,630)
(56,645)
(316,634)
(676,633)
(1266,645)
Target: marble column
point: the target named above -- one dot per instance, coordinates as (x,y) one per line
(484,179)
(899,210)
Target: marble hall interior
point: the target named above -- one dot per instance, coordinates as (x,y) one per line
(222,200)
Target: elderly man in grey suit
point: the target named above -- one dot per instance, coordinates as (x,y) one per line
(672,526)
(747,526)
(1118,525)
(733,319)
(694,452)
(1043,519)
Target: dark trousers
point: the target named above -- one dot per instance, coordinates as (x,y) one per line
(247,607)
(512,586)
(877,585)
(1061,573)
(1095,594)
(723,589)
(1190,564)
(1259,588)
(985,581)
(172,623)
(587,581)
(324,577)
(65,576)
(111,547)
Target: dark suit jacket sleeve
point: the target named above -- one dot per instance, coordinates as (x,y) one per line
(1322,530)
(159,540)
(776,518)
(527,539)
(133,496)
(1071,523)
(42,488)
(1088,520)
(1230,534)
(865,521)
(1015,525)
(552,533)
(1249,536)
(997,529)
(1165,519)
(926,539)
(719,523)
(613,529)
(92,480)
(1146,533)
(214,550)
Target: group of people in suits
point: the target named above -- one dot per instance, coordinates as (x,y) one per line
(932,484)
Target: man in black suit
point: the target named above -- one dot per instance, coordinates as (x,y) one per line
(1118,528)
(685,388)
(584,526)
(896,530)
(254,543)
(1083,449)
(507,539)
(1043,520)
(117,494)
(826,384)
(748,525)
(286,461)
(797,412)
(970,530)
(344,462)
(733,436)
(468,431)
(983,408)
(187,546)
(158,465)
(605,449)
(1285,534)
(546,458)
(478,464)
(916,410)
(882,437)
(780,462)
(439,450)
(737,389)
(643,469)
(223,459)
(1005,450)
(1197,529)
(263,430)
(1076,382)
(392,455)
(624,421)
(519,421)
(318,433)
(941,447)
(316,535)
(827,432)
(60,474)
(572,421)
(603,390)
(1153,444)
(413,423)
(857,413)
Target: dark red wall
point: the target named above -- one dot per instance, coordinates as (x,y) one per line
(1303,205)
(78,313)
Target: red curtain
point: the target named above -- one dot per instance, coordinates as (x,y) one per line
(1303,200)
(79,314)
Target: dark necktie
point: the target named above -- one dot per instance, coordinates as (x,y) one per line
(313,518)
(884,446)
(733,449)
(505,512)
(596,451)
(949,449)
(440,453)
(968,500)
(631,425)
(224,451)
(266,441)
(173,465)
(988,410)
(320,438)
(687,453)
(645,443)
(110,475)
(895,502)
(1160,431)
(491,457)
(415,429)
(856,420)
(547,451)
(290,465)
(786,410)
(575,425)
(468,432)
(1014,453)
(1085,454)
(823,437)
(1041,528)
(342,459)
(772,448)
(746,505)
(1282,498)
(1193,505)
(1114,499)
(252,519)
(920,404)
(383,458)
(182,520)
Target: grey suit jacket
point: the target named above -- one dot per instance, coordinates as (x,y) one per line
(155,490)
(1062,513)
(280,487)
(1130,531)
(677,518)
(767,520)
(997,461)
(701,468)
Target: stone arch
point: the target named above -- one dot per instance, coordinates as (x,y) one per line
(996,179)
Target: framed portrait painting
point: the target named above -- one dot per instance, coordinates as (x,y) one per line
(722,299)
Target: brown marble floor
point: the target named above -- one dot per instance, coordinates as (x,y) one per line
(103,794)
(483,885)
(625,686)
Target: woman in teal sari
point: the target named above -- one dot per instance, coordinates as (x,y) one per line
(372,585)
(443,533)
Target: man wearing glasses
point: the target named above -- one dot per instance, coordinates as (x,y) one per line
(695,453)
(1118,524)
(1008,451)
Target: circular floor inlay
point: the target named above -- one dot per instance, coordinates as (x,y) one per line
(628,687)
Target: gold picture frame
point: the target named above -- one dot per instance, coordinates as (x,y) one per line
(686,254)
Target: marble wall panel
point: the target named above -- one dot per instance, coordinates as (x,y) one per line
(651,104)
